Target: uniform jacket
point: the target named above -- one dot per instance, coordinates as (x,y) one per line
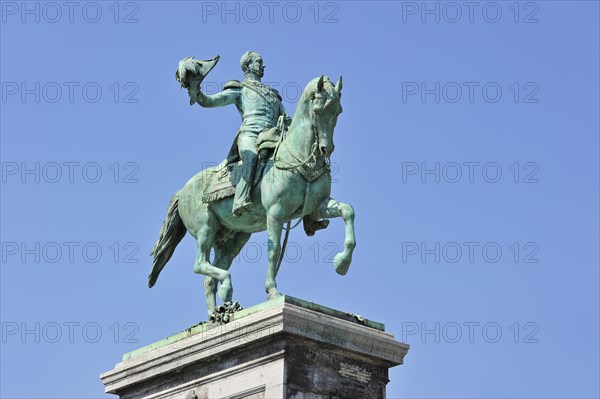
(258,104)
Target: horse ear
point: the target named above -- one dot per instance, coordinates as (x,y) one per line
(320,83)
(338,86)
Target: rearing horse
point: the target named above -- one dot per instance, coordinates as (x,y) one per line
(296,182)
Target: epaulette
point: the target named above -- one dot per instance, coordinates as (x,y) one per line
(278,95)
(233,84)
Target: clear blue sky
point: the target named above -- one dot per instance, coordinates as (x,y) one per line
(468,147)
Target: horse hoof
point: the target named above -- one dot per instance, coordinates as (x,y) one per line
(274,295)
(341,263)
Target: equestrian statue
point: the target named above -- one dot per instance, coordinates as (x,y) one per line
(278,169)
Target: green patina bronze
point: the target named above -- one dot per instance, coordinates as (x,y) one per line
(277,170)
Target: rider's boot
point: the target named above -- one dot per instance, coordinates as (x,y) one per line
(311,226)
(243,192)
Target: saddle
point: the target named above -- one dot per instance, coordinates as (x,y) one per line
(267,141)
(223,179)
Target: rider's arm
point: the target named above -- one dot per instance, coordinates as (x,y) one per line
(226,97)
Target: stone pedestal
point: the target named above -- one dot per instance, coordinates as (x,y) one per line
(283,348)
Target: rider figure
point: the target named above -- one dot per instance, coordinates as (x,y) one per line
(260,107)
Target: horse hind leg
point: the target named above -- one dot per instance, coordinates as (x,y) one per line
(205,239)
(225,253)
(210,289)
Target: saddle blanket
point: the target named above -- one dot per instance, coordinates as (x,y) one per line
(223,179)
(221,182)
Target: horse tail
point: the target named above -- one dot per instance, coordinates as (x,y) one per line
(171,233)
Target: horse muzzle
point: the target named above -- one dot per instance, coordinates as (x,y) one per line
(326,150)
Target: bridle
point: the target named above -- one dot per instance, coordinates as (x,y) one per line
(311,160)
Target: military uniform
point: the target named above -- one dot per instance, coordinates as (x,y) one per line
(260,107)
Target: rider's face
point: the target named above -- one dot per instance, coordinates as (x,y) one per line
(257,66)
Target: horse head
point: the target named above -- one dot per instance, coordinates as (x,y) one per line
(320,102)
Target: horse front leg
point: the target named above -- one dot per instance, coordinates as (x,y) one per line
(333,209)
(274,228)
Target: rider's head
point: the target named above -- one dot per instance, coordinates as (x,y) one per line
(252,63)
